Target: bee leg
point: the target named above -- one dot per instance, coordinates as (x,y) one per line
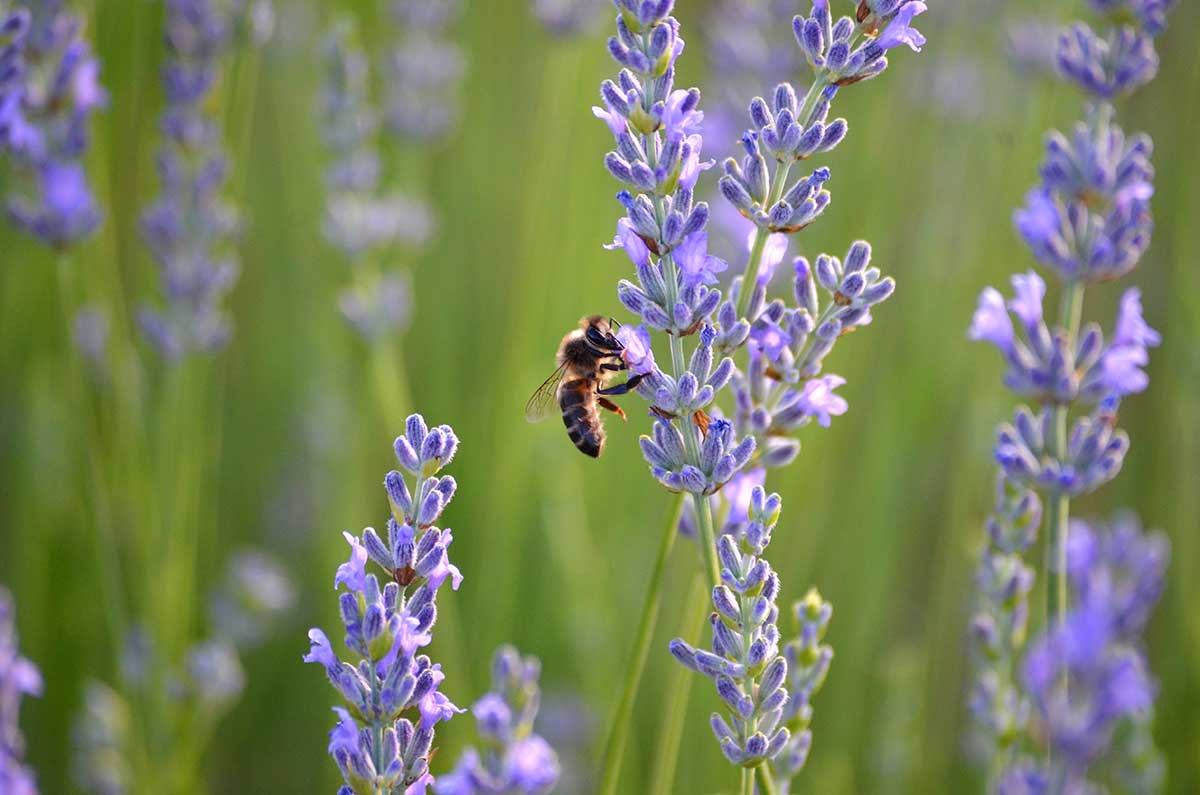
(621,389)
(613,407)
(702,421)
(611,366)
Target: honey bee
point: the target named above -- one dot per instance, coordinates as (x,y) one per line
(587,358)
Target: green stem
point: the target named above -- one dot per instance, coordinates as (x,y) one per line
(778,181)
(1059,516)
(619,734)
(768,783)
(99,510)
(662,778)
(747,787)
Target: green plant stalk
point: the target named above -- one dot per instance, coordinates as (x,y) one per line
(619,734)
(662,779)
(764,776)
(1059,516)
(747,786)
(98,509)
(760,241)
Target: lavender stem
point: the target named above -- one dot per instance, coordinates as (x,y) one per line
(778,183)
(662,780)
(615,747)
(1059,517)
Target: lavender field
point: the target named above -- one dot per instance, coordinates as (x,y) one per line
(871,466)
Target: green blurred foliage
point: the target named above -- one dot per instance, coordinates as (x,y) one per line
(883,511)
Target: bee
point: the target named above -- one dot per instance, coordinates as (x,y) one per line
(587,359)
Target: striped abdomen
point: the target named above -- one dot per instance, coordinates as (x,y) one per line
(577,399)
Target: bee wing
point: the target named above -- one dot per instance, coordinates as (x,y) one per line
(542,402)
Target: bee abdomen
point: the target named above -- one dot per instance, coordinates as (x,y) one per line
(580,416)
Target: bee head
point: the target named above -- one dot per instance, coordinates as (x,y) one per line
(597,330)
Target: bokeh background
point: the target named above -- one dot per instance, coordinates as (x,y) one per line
(883,510)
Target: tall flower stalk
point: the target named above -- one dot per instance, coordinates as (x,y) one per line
(1087,222)
(392,689)
(149,729)
(695,448)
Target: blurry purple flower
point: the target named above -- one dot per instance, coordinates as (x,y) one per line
(991,322)
(819,400)
(695,263)
(770,338)
(773,254)
(681,116)
(1029,291)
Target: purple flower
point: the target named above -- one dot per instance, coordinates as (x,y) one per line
(532,765)
(770,338)
(637,352)
(352,573)
(695,263)
(436,707)
(1039,221)
(615,121)
(628,239)
(773,253)
(819,400)
(691,165)
(1029,292)
(343,737)
(518,761)
(322,650)
(386,624)
(1126,355)
(900,31)
(1108,681)
(49,89)
(189,228)
(681,117)
(991,322)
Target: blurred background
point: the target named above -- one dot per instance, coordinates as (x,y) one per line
(292,435)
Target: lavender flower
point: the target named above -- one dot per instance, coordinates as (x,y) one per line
(696,446)
(745,664)
(829,46)
(514,759)
(423,70)
(386,626)
(48,92)
(361,220)
(1117,577)
(1107,66)
(1088,221)
(189,228)
(808,662)
(18,678)
(1000,624)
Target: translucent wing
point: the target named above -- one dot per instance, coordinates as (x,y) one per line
(542,402)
